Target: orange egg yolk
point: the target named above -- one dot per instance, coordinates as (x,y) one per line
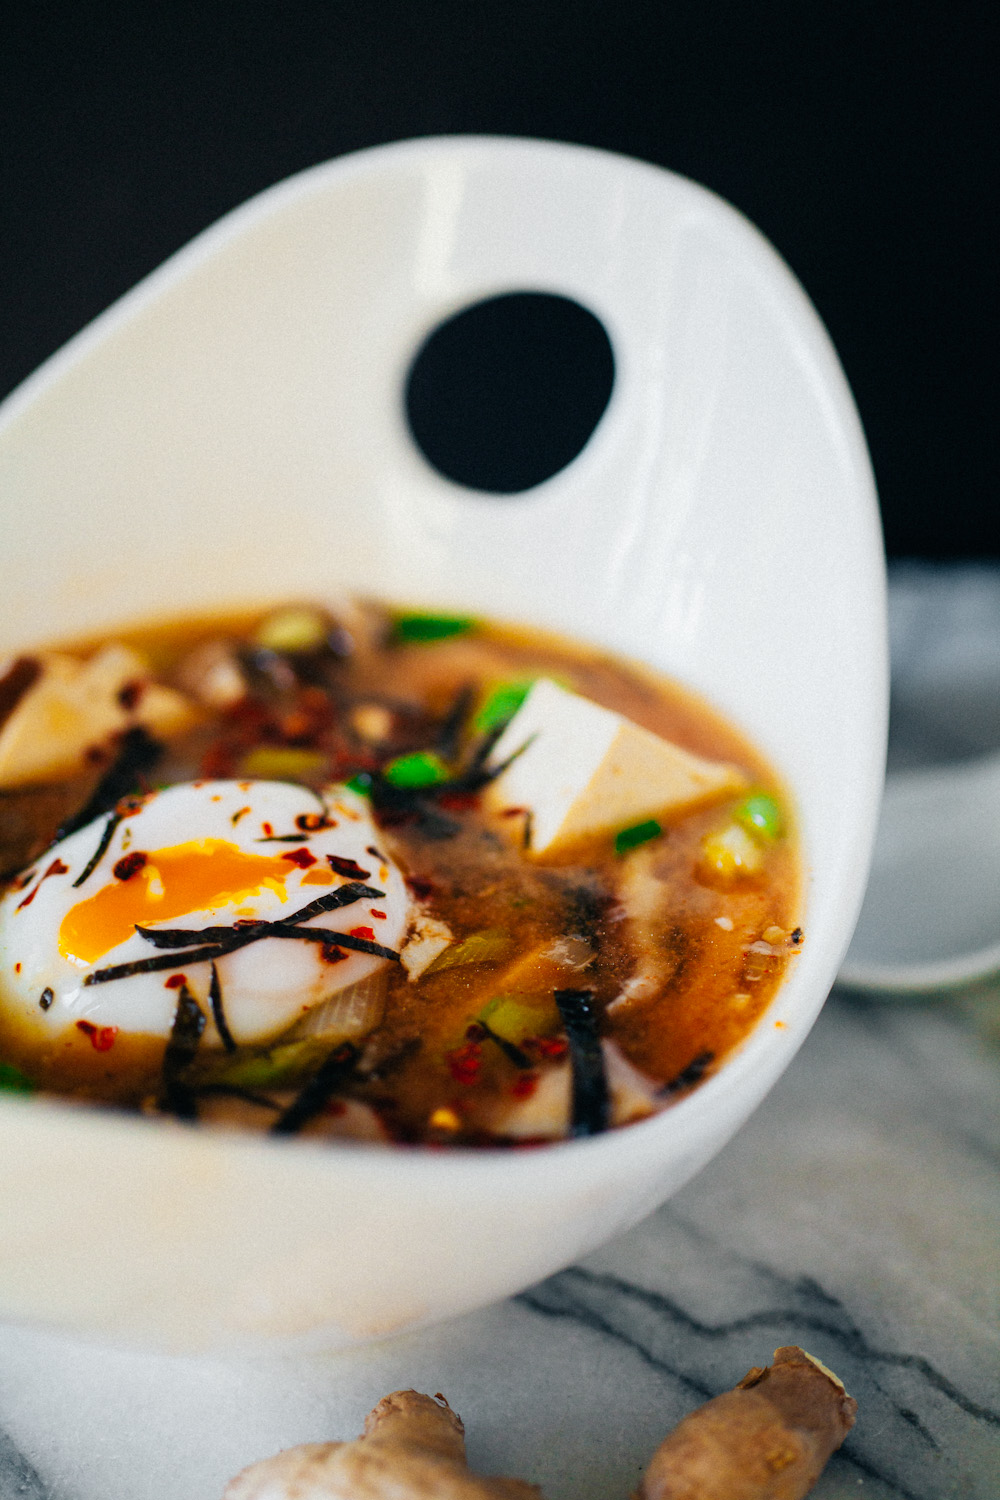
(200,876)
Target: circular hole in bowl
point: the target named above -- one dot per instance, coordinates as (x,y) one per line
(506,392)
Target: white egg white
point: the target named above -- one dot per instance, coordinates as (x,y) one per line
(266,986)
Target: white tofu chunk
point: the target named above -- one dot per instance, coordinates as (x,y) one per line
(585,771)
(75,706)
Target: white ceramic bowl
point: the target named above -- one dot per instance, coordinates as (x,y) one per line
(233,430)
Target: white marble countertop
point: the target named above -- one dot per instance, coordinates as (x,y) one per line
(858,1214)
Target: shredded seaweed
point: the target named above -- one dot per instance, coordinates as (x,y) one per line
(332,1074)
(251,931)
(219,1014)
(138,752)
(168,961)
(450,733)
(114,818)
(690,1075)
(176,1096)
(510,1050)
(591,1107)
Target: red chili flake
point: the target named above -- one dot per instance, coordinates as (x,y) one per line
(524,1085)
(459,801)
(348,867)
(17,968)
(55,868)
(102,1038)
(513,812)
(129,695)
(373,913)
(175,982)
(129,865)
(240,813)
(421,886)
(465,1063)
(362,932)
(268,830)
(331,954)
(553,1046)
(300,857)
(312,822)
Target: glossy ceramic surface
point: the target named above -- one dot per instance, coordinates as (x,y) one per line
(233,430)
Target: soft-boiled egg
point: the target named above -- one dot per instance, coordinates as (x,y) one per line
(112,921)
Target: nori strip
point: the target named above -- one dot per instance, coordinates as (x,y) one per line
(690,1075)
(137,754)
(591,1108)
(114,818)
(509,1049)
(185,1034)
(183,937)
(337,1068)
(218,1014)
(450,733)
(173,960)
(228,939)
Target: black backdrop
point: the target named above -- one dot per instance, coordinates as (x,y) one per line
(859,136)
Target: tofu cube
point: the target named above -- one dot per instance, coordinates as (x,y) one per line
(584,771)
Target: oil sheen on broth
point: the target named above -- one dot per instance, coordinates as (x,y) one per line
(395,877)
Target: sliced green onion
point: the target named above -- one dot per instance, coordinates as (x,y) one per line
(423,628)
(490,946)
(639,833)
(13,1081)
(761,816)
(514,1017)
(292,629)
(502,704)
(360,783)
(282,1064)
(281,762)
(421,768)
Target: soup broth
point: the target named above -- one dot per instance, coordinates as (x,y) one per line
(363,873)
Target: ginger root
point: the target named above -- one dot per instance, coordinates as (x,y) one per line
(412,1448)
(768,1439)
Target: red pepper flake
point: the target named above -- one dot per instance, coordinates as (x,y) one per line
(17,968)
(459,801)
(129,695)
(102,1038)
(373,913)
(513,812)
(348,867)
(268,830)
(55,868)
(175,982)
(331,954)
(300,857)
(129,865)
(524,1085)
(240,813)
(465,1063)
(553,1046)
(421,886)
(311,822)
(362,932)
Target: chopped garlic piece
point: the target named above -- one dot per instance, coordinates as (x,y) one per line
(427,938)
(584,771)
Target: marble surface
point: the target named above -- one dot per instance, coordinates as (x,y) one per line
(858,1213)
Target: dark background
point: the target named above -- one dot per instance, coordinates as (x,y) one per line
(859,136)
